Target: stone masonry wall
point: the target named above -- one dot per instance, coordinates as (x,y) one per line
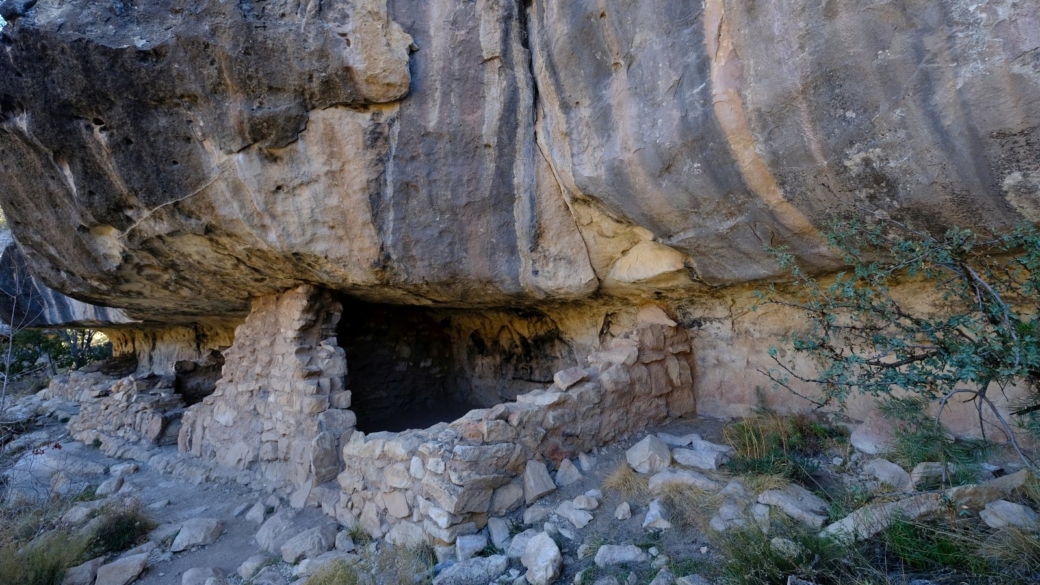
(279,409)
(445,481)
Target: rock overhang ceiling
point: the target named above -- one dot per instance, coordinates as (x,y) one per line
(175,159)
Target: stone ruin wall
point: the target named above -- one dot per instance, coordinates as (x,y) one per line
(445,481)
(279,419)
(279,410)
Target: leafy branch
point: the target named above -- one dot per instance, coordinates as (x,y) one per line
(978,332)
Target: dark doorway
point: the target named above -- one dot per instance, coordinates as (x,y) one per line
(400,367)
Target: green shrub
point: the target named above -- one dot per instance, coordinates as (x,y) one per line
(771,444)
(120,531)
(926,548)
(43,562)
(750,558)
(982,336)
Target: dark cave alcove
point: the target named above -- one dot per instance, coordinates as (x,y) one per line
(401,371)
(197,380)
(413,367)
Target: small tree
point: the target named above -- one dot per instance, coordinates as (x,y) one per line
(983,336)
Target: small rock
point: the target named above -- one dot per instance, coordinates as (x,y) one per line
(678,441)
(344,542)
(586,462)
(239,510)
(257,513)
(542,559)
(196,532)
(310,566)
(537,482)
(889,474)
(702,445)
(109,486)
(469,546)
(681,477)
(567,474)
(536,514)
(663,577)
(594,494)
(608,580)
(309,543)
(798,503)
(80,513)
(519,543)
(498,528)
(874,518)
(699,459)
(656,518)
(165,532)
(122,469)
(564,379)
(122,571)
(270,576)
(475,571)
(579,518)
(623,511)
(506,499)
(83,574)
(616,554)
(199,575)
(250,566)
(760,514)
(649,455)
(1003,513)
(158,505)
(585,503)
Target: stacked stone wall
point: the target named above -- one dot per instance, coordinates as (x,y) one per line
(445,481)
(279,410)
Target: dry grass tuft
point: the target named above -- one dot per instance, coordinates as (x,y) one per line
(1012,547)
(1031,490)
(336,572)
(757,484)
(625,481)
(690,507)
(403,564)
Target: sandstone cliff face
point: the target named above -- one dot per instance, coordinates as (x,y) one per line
(176,159)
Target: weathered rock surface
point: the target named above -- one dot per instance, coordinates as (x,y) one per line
(122,571)
(377,150)
(542,559)
(197,532)
(649,455)
(309,543)
(616,554)
(475,571)
(798,503)
(890,474)
(1003,513)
